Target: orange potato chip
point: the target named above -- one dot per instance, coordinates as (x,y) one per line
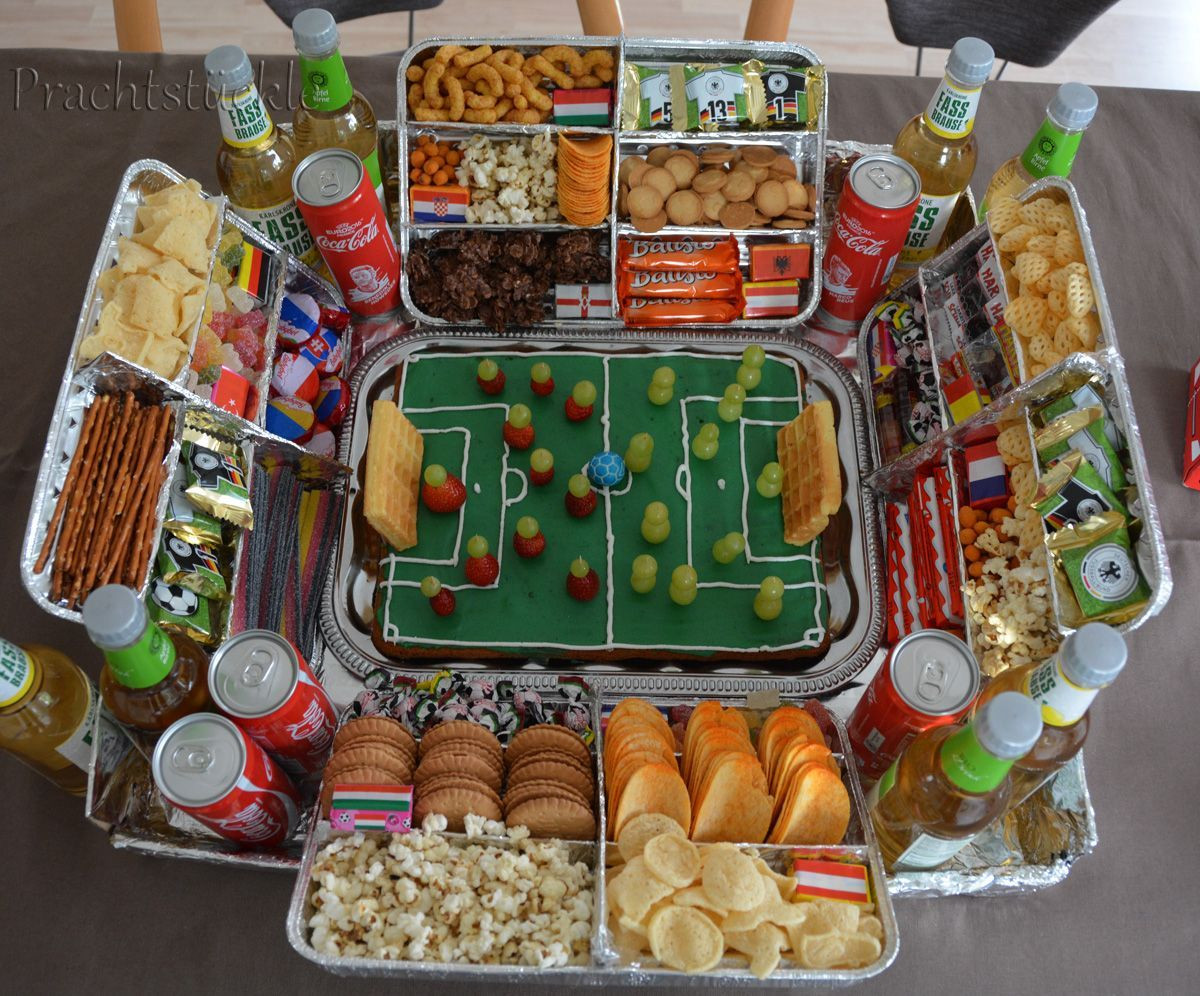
(816,809)
(653,788)
(729,806)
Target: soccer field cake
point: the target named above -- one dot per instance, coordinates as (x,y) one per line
(600,504)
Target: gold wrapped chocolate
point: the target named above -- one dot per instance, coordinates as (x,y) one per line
(1095,558)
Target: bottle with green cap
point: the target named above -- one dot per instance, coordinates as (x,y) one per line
(332,114)
(950,783)
(1063,687)
(256,160)
(1051,152)
(150,677)
(940,145)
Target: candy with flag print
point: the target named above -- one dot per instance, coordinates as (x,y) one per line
(583,107)
(987,480)
(844,881)
(439,204)
(371,807)
(771,299)
(583,301)
(962,399)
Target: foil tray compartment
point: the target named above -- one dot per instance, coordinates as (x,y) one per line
(806,147)
(856,590)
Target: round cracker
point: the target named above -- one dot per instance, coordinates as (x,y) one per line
(553,771)
(561,818)
(685,939)
(730,879)
(376,726)
(455,804)
(645,827)
(672,858)
(449,762)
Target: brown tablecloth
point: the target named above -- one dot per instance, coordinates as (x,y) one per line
(78,916)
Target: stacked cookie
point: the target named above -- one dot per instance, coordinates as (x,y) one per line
(460,771)
(372,750)
(551,788)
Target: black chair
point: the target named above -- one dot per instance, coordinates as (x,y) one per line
(348,10)
(1028,32)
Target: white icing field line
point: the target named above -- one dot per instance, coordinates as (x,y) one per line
(610,539)
(462,509)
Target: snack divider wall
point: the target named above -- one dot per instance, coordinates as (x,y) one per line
(804,146)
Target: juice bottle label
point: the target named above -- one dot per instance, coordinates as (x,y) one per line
(927,228)
(969,766)
(371,165)
(77,748)
(16,673)
(951,112)
(244,120)
(326,82)
(283,224)
(1051,153)
(1062,702)
(927,851)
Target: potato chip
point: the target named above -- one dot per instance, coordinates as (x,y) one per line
(634,890)
(1043,245)
(685,939)
(1026,314)
(860,949)
(1067,248)
(764,944)
(133,257)
(1003,214)
(629,943)
(842,917)
(695,896)
(730,879)
(653,788)
(872,926)
(816,809)
(784,883)
(732,804)
(1014,240)
(641,829)
(821,950)
(1080,298)
(1039,213)
(672,858)
(1030,267)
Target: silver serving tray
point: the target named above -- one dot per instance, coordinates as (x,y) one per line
(807,148)
(606,966)
(855,586)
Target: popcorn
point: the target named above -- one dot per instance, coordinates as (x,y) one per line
(421,897)
(511,182)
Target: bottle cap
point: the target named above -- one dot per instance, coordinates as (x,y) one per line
(1073,106)
(1008,726)
(228,69)
(315,32)
(970,61)
(114,616)
(1093,655)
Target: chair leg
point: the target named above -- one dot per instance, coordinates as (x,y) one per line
(410,29)
(917,71)
(1003,66)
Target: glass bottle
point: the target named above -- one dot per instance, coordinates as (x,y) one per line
(151,677)
(47,713)
(332,114)
(256,160)
(1063,687)
(950,783)
(1051,152)
(940,146)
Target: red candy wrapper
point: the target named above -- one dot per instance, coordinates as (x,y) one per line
(941,603)
(949,523)
(679,284)
(1191,432)
(900,536)
(895,577)
(233,393)
(707,255)
(641,312)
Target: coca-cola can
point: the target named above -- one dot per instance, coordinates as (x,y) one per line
(335,196)
(209,768)
(264,684)
(878,201)
(929,679)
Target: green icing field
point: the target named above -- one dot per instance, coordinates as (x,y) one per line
(529,611)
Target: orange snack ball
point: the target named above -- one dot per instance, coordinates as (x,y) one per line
(1011,505)
(967,536)
(441,176)
(998,515)
(417,157)
(975,569)
(966,516)
(442,149)
(415,175)
(971,552)
(453,157)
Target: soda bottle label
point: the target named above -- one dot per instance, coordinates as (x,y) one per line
(283,224)
(1062,702)
(927,228)
(951,112)
(244,120)
(16,673)
(927,851)
(77,748)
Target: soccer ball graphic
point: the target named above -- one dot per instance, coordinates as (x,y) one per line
(176,599)
(606,470)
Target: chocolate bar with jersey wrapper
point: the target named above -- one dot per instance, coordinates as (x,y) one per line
(184,519)
(1082,430)
(1094,562)
(192,566)
(1071,492)
(707,97)
(180,610)
(646,99)
(216,477)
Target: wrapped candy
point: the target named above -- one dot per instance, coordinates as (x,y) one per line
(297,376)
(333,400)
(290,418)
(299,320)
(324,351)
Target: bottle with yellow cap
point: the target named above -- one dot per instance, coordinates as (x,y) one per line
(1063,687)
(47,712)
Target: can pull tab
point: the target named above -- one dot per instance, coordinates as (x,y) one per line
(879,176)
(330,183)
(260,664)
(932,682)
(192,758)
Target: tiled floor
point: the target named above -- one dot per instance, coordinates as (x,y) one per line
(1147,43)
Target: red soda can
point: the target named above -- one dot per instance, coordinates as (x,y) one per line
(207,767)
(874,212)
(264,684)
(929,679)
(335,197)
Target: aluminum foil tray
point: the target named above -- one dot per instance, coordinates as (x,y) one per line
(853,574)
(806,147)
(606,966)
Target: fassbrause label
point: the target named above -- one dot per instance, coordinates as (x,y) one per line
(283,224)
(951,112)
(244,119)
(77,748)
(928,851)
(927,228)
(16,673)
(1062,702)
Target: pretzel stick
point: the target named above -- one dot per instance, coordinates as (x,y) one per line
(90,419)
(143,548)
(77,548)
(129,555)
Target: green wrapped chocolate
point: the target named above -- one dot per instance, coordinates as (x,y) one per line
(192,565)
(707,97)
(1097,558)
(1082,430)
(216,477)
(1071,492)
(1087,395)
(180,609)
(185,520)
(646,99)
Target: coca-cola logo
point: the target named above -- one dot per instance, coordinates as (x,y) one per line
(642,247)
(644,278)
(252,822)
(349,236)
(854,237)
(313,726)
